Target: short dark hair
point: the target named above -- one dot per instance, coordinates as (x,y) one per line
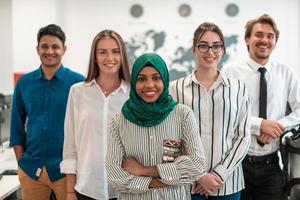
(263,19)
(51,29)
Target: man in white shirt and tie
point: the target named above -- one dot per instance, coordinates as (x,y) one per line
(271,86)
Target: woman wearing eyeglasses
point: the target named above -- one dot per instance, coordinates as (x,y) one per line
(221,107)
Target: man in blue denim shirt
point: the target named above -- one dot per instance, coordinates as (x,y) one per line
(37,120)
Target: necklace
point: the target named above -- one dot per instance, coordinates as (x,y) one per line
(111,87)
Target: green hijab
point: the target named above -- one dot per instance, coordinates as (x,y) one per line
(135,109)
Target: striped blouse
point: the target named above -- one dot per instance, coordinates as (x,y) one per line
(223,115)
(146,145)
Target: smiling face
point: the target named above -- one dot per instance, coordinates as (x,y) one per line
(108,56)
(50,50)
(149,85)
(261,42)
(210,59)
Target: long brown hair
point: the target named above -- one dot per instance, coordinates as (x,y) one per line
(204,27)
(93,71)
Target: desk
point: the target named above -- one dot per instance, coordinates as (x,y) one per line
(7,159)
(8,183)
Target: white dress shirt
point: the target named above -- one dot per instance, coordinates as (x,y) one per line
(282,85)
(223,116)
(147,145)
(85,143)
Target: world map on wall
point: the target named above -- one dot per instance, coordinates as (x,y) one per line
(181,59)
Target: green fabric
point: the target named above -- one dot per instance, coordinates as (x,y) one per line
(135,109)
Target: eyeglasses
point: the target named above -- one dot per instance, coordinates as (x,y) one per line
(204,48)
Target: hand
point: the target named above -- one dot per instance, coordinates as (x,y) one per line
(71,196)
(201,190)
(184,148)
(271,128)
(132,166)
(208,184)
(264,138)
(155,183)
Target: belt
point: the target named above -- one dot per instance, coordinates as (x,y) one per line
(266,159)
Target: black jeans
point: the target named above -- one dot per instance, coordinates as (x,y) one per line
(263,178)
(83,197)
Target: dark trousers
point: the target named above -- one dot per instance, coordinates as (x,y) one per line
(263,178)
(83,197)
(235,196)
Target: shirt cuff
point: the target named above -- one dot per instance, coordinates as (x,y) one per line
(283,122)
(14,141)
(167,172)
(255,125)
(68,166)
(140,184)
(222,172)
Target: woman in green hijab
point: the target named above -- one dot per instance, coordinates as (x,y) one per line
(154,148)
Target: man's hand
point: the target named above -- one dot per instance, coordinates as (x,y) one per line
(208,184)
(71,196)
(19,150)
(271,128)
(264,138)
(132,166)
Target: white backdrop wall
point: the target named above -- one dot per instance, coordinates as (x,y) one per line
(6,69)
(82,20)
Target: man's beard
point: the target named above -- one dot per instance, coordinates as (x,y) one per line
(263,57)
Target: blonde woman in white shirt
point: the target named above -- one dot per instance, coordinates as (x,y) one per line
(91,105)
(221,107)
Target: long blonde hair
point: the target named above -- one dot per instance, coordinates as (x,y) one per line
(93,70)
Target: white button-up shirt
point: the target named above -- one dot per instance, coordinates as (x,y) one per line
(282,85)
(85,143)
(223,116)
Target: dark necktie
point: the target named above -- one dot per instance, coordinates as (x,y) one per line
(262,96)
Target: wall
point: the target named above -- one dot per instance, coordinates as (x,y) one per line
(6,70)
(28,17)
(82,20)
(163,16)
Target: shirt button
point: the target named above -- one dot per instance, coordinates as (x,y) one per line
(152,157)
(45,128)
(170,178)
(151,137)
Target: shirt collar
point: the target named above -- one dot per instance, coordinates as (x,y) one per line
(92,82)
(255,66)
(59,73)
(39,73)
(221,79)
(123,87)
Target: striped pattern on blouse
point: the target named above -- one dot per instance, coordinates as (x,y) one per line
(222,113)
(145,144)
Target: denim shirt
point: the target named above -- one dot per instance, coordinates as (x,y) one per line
(37,120)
